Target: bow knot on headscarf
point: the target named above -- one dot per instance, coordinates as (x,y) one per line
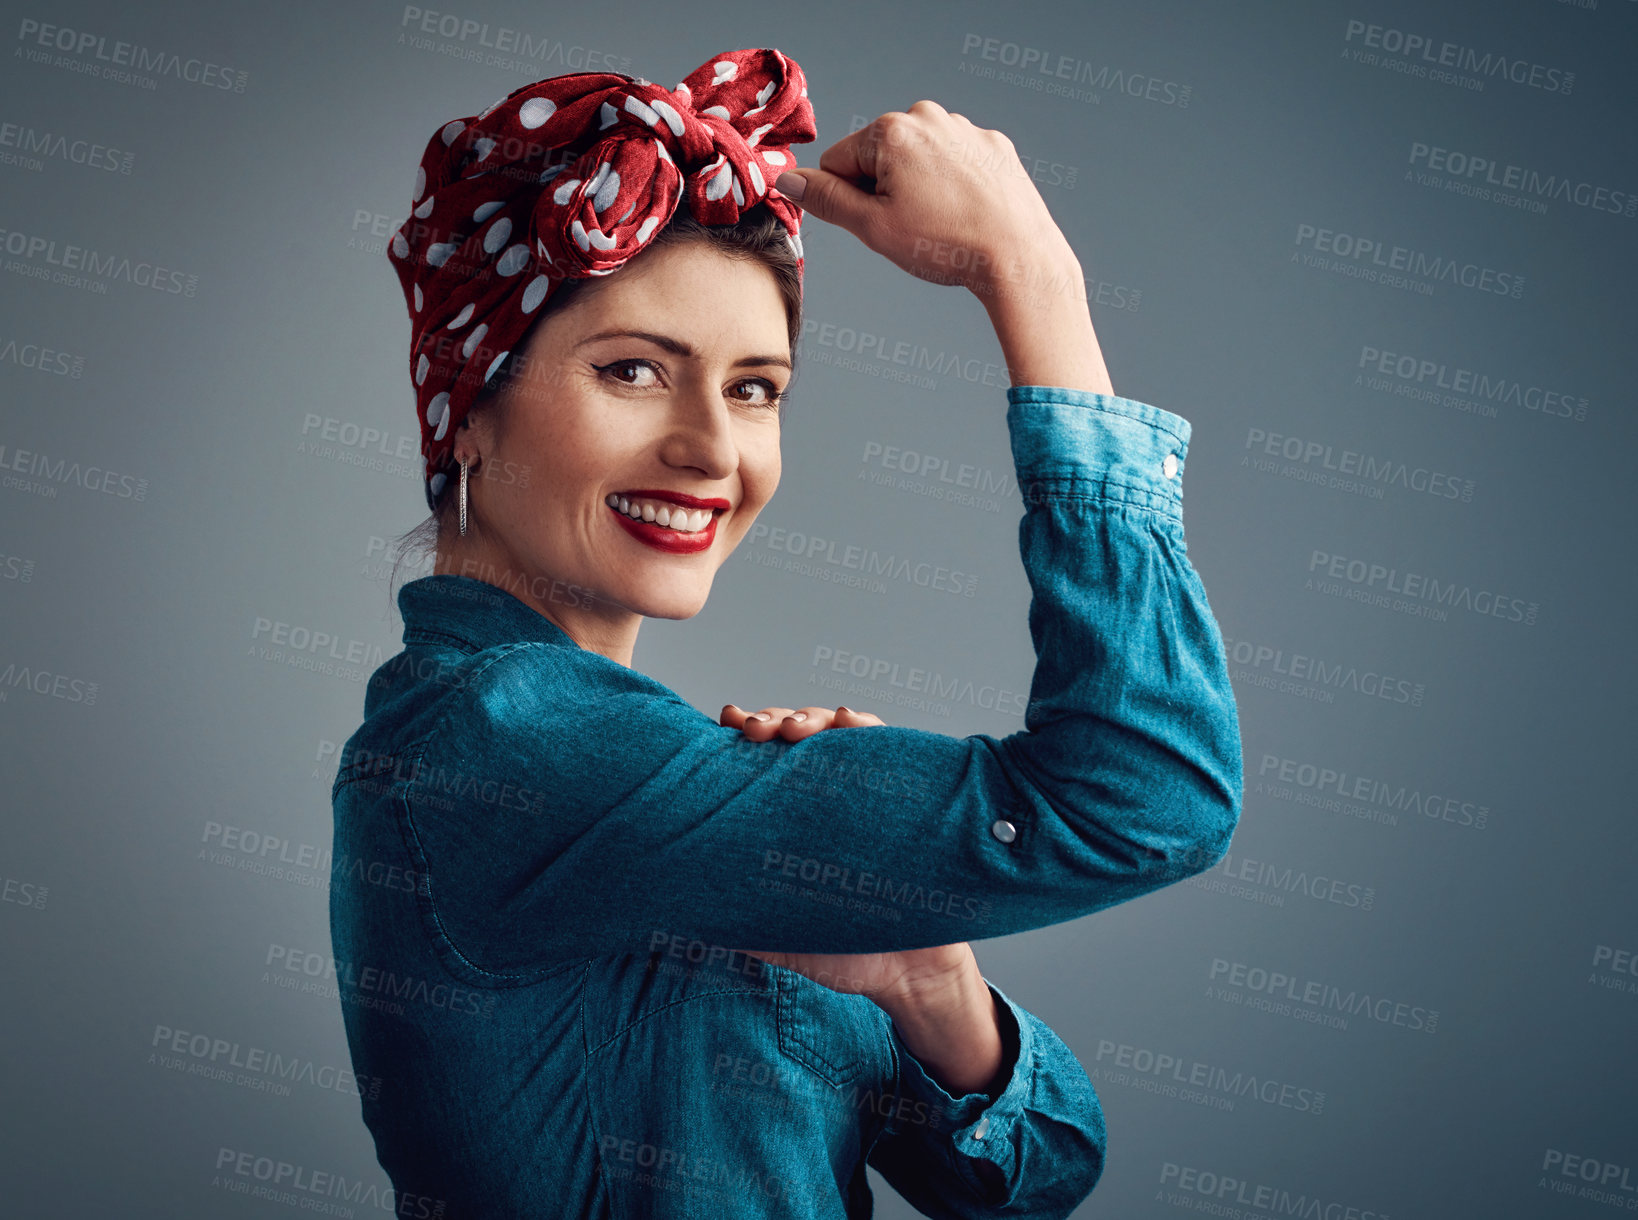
(567,178)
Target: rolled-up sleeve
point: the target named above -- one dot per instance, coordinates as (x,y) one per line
(650,819)
(1034,1148)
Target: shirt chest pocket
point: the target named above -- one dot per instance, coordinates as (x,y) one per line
(835,1036)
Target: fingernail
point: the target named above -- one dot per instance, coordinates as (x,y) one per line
(791,184)
(759,716)
(842,707)
(797,716)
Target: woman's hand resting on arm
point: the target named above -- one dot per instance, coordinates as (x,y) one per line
(951,203)
(936,995)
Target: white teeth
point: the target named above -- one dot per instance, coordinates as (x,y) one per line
(668,516)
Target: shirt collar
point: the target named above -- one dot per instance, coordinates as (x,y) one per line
(446,609)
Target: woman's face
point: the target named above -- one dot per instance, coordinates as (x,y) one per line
(663,379)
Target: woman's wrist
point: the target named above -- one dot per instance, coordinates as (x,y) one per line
(1037,304)
(953,1030)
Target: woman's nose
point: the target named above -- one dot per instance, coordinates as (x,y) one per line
(702,435)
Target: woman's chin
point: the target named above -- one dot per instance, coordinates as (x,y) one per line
(685,601)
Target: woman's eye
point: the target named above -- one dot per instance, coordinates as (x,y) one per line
(618,369)
(768,394)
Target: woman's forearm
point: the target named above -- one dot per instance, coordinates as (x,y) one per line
(954,1032)
(1037,304)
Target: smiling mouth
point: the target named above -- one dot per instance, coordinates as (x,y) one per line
(669,510)
(662,524)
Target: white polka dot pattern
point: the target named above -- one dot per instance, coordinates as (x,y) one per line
(488,207)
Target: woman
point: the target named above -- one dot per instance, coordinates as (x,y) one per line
(606,956)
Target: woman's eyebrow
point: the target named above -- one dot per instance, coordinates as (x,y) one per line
(678,348)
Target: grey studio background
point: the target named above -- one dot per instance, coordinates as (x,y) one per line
(1381,255)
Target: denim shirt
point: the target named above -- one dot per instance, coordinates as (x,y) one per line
(547,867)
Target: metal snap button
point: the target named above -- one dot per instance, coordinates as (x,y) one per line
(1003,830)
(1169,465)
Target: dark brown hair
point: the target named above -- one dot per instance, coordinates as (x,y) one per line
(758,234)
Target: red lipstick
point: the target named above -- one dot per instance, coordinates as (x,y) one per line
(669,540)
(676,497)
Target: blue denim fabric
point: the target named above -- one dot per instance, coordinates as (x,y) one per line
(547,863)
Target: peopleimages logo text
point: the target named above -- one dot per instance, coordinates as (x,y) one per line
(1368,574)
(1471,167)
(1358,251)
(1315,994)
(1446,54)
(1218,1190)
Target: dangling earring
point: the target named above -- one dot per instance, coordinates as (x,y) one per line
(463,499)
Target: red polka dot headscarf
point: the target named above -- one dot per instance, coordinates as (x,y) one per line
(567,178)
